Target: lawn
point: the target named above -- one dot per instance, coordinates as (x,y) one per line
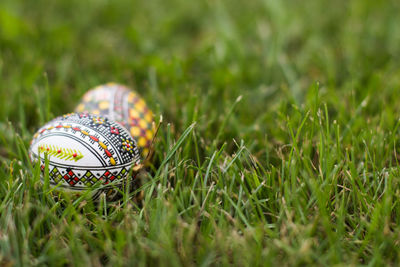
(279,142)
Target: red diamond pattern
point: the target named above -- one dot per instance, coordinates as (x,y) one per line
(71,178)
(88,179)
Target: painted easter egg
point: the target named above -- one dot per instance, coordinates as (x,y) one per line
(84,150)
(124,106)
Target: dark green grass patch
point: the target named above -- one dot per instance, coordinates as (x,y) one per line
(280,141)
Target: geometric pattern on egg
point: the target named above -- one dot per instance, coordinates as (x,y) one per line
(124,106)
(84,149)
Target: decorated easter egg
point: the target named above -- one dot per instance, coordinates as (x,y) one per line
(84,150)
(124,106)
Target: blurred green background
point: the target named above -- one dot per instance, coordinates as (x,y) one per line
(304,94)
(210,52)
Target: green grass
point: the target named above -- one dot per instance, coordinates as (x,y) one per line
(293,158)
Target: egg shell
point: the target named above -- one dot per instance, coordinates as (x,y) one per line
(83,149)
(124,106)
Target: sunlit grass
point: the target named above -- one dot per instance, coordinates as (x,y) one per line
(279,143)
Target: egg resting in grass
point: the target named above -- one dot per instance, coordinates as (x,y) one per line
(85,150)
(124,106)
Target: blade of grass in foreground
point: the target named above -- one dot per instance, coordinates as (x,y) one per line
(169,155)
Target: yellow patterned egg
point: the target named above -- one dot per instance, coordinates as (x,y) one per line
(119,103)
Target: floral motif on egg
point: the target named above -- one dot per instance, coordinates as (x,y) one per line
(84,150)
